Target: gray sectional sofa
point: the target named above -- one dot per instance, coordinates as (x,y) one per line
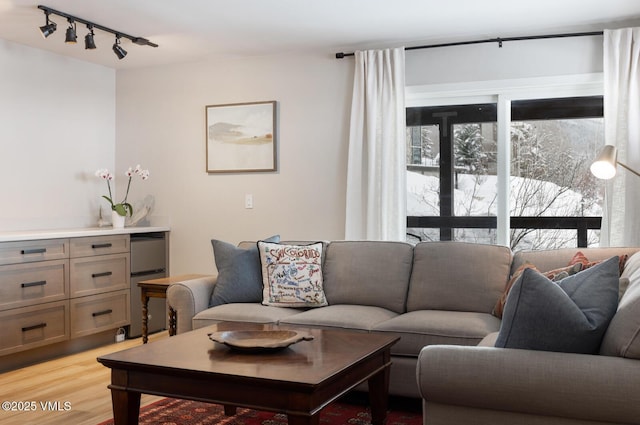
(441,295)
(485,385)
(433,293)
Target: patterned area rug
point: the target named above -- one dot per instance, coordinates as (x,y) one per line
(170,411)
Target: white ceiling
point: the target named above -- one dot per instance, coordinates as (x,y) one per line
(191,30)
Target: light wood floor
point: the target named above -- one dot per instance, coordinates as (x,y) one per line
(78,380)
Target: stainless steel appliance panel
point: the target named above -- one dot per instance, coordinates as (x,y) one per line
(147,254)
(148,261)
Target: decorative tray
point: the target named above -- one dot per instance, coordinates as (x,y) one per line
(256,340)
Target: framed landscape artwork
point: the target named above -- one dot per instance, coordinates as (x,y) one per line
(241,137)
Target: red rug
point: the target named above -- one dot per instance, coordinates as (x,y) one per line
(171,411)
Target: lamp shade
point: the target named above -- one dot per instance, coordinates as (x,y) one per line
(119,51)
(71,36)
(89,42)
(48,29)
(604,167)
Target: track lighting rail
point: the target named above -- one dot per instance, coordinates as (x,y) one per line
(119,34)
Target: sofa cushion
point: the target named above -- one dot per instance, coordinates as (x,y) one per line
(623,334)
(239,275)
(373,273)
(242,312)
(426,327)
(458,276)
(555,258)
(580,258)
(554,275)
(489,340)
(569,316)
(632,267)
(292,275)
(577,263)
(359,317)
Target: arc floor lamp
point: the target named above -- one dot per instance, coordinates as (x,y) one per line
(604,167)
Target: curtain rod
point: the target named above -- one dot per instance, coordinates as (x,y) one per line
(492,40)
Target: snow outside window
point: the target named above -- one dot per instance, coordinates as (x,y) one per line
(452,171)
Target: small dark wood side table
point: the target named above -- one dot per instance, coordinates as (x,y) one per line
(157,288)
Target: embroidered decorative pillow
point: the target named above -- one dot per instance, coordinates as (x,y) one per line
(292,275)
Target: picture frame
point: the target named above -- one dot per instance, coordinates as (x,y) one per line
(241,137)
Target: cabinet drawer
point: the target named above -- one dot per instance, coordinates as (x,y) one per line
(99,313)
(35,283)
(99,245)
(29,251)
(30,327)
(94,275)
(148,255)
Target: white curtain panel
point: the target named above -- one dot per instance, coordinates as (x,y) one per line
(621,222)
(376,175)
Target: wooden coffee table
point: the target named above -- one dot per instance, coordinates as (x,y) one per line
(299,380)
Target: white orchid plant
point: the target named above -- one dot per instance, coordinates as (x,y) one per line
(123,208)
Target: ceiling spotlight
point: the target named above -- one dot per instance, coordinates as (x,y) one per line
(89,43)
(49,28)
(117,49)
(89,39)
(71,37)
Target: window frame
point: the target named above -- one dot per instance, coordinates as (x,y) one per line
(503,93)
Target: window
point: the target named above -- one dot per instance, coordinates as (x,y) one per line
(453,167)
(453,178)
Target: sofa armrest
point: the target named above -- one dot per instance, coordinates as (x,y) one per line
(587,387)
(188,298)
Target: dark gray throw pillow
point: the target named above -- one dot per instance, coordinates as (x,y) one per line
(239,273)
(570,316)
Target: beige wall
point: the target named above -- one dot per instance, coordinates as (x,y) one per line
(63,118)
(57,127)
(161,124)
(516,59)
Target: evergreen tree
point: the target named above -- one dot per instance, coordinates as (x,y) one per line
(469,151)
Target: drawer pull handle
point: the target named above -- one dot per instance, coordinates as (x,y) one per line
(101,245)
(102,313)
(102,274)
(34,251)
(30,328)
(30,284)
